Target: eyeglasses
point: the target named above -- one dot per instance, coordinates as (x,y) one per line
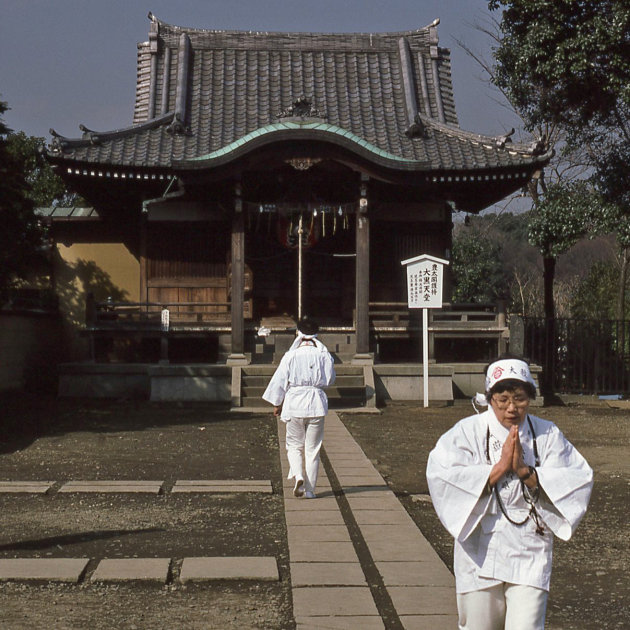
(503,402)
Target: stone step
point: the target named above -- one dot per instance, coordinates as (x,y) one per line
(340,381)
(331,392)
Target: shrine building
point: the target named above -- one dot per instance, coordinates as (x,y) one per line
(267,176)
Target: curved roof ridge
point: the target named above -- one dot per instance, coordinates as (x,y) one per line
(502,141)
(194,29)
(94,137)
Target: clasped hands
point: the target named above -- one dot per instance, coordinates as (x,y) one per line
(512,461)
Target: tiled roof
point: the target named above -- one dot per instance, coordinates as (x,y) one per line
(202,92)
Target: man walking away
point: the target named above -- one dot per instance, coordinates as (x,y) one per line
(297,395)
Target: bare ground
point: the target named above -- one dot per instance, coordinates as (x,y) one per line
(59,440)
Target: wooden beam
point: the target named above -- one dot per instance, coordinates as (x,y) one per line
(237,355)
(363,279)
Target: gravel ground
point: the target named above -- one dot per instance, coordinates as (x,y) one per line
(60,440)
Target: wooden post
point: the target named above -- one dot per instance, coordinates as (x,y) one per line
(363,279)
(143,259)
(237,355)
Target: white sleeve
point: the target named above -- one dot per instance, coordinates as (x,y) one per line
(457,474)
(277,387)
(566,480)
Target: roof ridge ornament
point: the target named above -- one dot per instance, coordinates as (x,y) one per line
(504,139)
(302,107)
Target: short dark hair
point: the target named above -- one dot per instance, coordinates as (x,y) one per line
(308,326)
(509,385)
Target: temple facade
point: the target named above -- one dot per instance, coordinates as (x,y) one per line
(270,175)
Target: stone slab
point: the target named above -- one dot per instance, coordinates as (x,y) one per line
(355,480)
(393,551)
(369,492)
(425,573)
(340,623)
(130,569)
(222,485)
(318,533)
(333,601)
(382,517)
(386,502)
(423,600)
(327,574)
(151,487)
(429,622)
(264,483)
(322,552)
(51,569)
(324,517)
(229,568)
(26,487)
(292,504)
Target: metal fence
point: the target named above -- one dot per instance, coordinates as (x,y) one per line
(586,356)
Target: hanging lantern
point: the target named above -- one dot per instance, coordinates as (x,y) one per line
(288,231)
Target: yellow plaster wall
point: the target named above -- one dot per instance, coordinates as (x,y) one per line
(105,269)
(118,266)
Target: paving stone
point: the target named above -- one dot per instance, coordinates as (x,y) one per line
(370,492)
(382,517)
(229,568)
(323,517)
(356,480)
(340,623)
(26,487)
(335,601)
(424,573)
(423,600)
(152,487)
(129,569)
(318,533)
(386,502)
(292,504)
(429,622)
(52,569)
(221,485)
(322,552)
(327,574)
(393,551)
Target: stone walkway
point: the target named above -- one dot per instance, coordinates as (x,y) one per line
(357,558)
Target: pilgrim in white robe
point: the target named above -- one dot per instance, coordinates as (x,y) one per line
(297,384)
(489,549)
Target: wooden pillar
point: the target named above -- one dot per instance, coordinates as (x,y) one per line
(237,355)
(143,258)
(362,282)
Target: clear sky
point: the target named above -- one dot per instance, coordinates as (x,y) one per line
(66,62)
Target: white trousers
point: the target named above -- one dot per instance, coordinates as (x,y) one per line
(503,607)
(304,442)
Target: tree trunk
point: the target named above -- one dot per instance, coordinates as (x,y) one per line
(623,276)
(546,384)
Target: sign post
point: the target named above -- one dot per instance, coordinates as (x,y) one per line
(425,275)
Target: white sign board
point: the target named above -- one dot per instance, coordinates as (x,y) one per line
(424,290)
(425,277)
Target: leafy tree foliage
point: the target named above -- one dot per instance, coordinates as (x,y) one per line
(565,64)
(478,274)
(45,187)
(566,60)
(595,296)
(21,235)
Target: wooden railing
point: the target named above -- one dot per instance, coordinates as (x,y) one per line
(148,315)
(486,321)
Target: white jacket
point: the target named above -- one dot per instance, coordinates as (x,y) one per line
(488,548)
(297,383)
